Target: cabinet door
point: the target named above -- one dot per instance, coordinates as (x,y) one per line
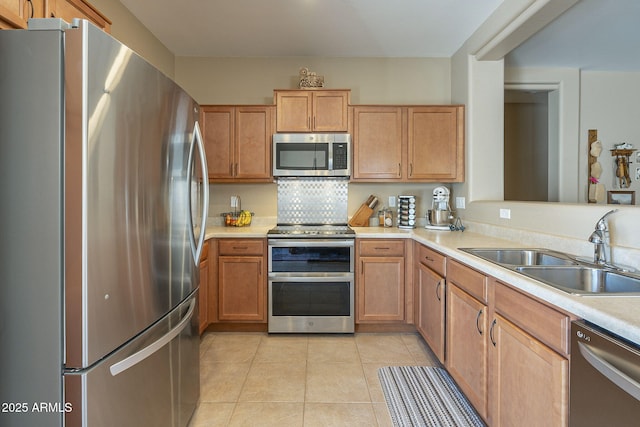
(430,314)
(293,111)
(203,297)
(530,382)
(253,143)
(436,143)
(467,346)
(218,127)
(13,14)
(381,289)
(241,288)
(330,111)
(70,9)
(377,143)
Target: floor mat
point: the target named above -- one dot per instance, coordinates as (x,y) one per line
(425,396)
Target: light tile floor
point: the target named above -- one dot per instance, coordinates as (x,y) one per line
(257,379)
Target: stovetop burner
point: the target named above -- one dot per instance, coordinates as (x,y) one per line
(311,231)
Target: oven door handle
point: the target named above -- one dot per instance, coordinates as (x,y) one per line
(288,243)
(347,277)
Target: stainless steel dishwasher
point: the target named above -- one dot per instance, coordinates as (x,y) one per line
(605,379)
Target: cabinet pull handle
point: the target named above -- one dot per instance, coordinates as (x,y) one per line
(399,170)
(478,321)
(437,289)
(493,324)
(410,169)
(240,248)
(382,249)
(429,259)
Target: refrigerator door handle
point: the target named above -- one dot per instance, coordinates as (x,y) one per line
(139,356)
(196,141)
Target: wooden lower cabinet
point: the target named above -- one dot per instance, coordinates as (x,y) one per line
(241,285)
(430,288)
(467,357)
(530,382)
(528,352)
(203,296)
(380,295)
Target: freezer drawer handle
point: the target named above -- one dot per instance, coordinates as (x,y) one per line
(619,378)
(138,357)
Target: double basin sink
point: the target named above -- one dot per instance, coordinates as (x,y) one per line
(562,271)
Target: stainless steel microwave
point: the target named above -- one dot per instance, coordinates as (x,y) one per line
(311,154)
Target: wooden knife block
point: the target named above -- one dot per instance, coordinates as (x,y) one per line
(361,217)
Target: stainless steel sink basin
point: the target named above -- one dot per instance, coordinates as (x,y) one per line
(524,257)
(584,280)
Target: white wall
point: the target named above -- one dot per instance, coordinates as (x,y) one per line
(480,85)
(126,28)
(609,104)
(371,80)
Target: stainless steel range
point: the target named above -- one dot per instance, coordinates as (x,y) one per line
(311,259)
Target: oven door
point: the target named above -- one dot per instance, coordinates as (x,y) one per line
(306,303)
(311,256)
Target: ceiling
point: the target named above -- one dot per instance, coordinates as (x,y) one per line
(593,35)
(320,28)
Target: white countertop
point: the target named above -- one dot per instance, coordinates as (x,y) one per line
(618,314)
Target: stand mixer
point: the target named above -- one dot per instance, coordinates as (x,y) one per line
(439,216)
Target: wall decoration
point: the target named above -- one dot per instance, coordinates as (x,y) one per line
(596,189)
(621,197)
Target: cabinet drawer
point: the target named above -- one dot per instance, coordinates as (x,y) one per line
(241,247)
(384,247)
(543,322)
(432,259)
(468,279)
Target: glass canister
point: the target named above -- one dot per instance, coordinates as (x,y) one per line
(388,218)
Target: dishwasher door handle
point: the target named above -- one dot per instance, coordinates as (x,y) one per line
(619,378)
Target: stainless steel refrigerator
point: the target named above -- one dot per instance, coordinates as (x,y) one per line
(103,201)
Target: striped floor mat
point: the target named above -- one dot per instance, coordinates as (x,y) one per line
(425,396)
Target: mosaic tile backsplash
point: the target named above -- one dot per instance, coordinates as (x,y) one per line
(312,200)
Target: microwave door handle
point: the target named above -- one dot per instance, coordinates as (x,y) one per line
(619,378)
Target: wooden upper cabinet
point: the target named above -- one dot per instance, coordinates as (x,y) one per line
(436,143)
(312,110)
(12,14)
(378,143)
(408,143)
(67,10)
(238,142)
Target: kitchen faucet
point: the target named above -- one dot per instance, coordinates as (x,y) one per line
(600,239)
